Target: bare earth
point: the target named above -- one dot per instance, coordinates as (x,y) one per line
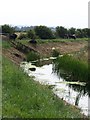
(45,49)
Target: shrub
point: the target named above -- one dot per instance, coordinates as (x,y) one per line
(55,53)
(31,34)
(32,56)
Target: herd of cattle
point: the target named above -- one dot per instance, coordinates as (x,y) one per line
(14,36)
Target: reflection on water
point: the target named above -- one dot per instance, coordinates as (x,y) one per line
(75,94)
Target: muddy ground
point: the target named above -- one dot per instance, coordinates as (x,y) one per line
(44,49)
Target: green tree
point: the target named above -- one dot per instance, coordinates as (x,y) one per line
(86,32)
(79,33)
(72,31)
(43,32)
(31,34)
(61,31)
(7,29)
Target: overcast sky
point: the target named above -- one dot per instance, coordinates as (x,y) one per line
(67,13)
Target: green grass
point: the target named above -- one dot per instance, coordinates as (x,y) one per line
(6,44)
(32,56)
(25,98)
(77,68)
(39,41)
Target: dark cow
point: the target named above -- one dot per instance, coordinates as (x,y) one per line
(72,36)
(33,41)
(13,36)
(68,36)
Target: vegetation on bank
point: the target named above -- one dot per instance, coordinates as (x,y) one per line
(6,44)
(76,68)
(39,41)
(32,56)
(25,98)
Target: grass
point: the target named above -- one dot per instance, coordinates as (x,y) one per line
(55,53)
(77,68)
(39,41)
(25,98)
(82,54)
(6,44)
(31,56)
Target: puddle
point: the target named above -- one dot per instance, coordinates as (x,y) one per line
(74,93)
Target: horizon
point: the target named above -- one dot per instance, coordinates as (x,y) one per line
(20,26)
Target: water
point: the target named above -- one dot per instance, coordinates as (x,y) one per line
(74,93)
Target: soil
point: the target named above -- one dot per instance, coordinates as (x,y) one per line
(62,47)
(44,49)
(14,55)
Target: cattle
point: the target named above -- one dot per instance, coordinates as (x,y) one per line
(13,36)
(69,36)
(33,41)
(72,36)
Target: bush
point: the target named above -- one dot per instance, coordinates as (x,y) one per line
(31,34)
(55,53)
(7,29)
(32,56)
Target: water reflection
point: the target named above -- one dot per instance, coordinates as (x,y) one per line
(68,77)
(46,74)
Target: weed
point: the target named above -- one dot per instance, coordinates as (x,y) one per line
(32,56)
(78,69)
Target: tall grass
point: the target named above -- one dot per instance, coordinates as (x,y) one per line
(78,69)
(31,56)
(25,98)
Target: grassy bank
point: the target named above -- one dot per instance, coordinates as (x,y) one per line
(41,41)
(25,98)
(77,68)
(6,44)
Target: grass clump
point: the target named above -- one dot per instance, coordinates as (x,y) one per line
(78,69)
(32,56)
(25,98)
(55,53)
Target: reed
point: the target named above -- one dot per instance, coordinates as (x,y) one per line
(78,69)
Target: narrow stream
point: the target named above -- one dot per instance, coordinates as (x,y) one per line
(74,93)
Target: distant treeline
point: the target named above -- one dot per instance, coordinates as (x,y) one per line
(44,32)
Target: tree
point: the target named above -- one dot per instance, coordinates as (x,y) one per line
(43,32)
(86,32)
(79,33)
(72,31)
(61,31)
(31,34)
(7,29)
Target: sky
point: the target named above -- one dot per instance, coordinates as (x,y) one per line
(51,13)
